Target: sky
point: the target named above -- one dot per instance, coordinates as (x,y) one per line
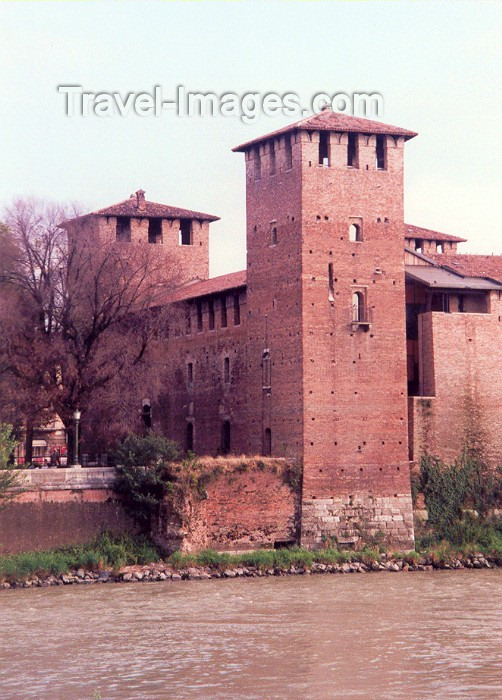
(437,65)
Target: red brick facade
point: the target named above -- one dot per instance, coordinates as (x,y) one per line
(305,354)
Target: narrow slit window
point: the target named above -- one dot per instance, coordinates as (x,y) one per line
(185,232)
(352,151)
(188,320)
(380,152)
(355,233)
(189,437)
(226,370)
(199,317)
(331,284)
(266,370)
(224,319)
(267,443)
(237,310)
(257,164)
(272,158)
(324,148)
(190,375)
(225,437)
(273,234)
(210,312)
(155,231)
(123,229)
(288,152)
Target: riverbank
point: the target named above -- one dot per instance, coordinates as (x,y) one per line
(292,562)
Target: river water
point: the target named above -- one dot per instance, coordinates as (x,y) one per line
(388,635)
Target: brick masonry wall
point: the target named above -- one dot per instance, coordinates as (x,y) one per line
(61,507)
(208,399)
(354,378)
(463,391)
(249,505)
(184,263)
(246,508)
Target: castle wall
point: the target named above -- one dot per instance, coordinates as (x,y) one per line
(274,299)
(62,507)
(249,504)
(209,394)
(461,385)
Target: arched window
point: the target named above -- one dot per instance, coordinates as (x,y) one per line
(357,307)
(267,442)
(355,232)
(189,437)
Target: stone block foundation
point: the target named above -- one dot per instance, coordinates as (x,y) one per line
(359,519)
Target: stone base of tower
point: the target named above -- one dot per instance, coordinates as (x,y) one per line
(362,518)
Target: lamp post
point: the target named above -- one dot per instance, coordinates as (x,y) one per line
(76,419)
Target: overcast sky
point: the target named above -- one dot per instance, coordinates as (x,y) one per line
(437,65)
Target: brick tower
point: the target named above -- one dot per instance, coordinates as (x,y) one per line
(326,320)
(177,237)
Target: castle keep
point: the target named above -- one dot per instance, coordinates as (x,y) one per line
(352,343)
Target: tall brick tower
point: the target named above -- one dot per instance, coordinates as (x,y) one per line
(326,317)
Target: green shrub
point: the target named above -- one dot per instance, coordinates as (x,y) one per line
(145,475)
(149,451)
(450,490)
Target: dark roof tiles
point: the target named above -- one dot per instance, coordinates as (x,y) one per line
(333,121)
(488,266)
(411,231)
(215,285)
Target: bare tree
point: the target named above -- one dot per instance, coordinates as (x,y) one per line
(77,314)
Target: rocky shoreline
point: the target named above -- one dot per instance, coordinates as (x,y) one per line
(163,572)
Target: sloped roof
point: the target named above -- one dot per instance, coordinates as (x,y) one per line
(333,121)
(203,288)
(153,210)
(149,210)
(426,234)
(440,278)
(487,266)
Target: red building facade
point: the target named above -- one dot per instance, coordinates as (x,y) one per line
(329,345)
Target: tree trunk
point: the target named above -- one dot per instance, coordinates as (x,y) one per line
(28,444)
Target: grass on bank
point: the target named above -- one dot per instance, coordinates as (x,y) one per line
(110,552)
(104,552)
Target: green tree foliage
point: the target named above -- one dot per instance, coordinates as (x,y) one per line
(460,497)
(146,475)
(10,479)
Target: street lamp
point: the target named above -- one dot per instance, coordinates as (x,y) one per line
(76,418)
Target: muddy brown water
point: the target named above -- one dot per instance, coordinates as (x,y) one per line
(407,635)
